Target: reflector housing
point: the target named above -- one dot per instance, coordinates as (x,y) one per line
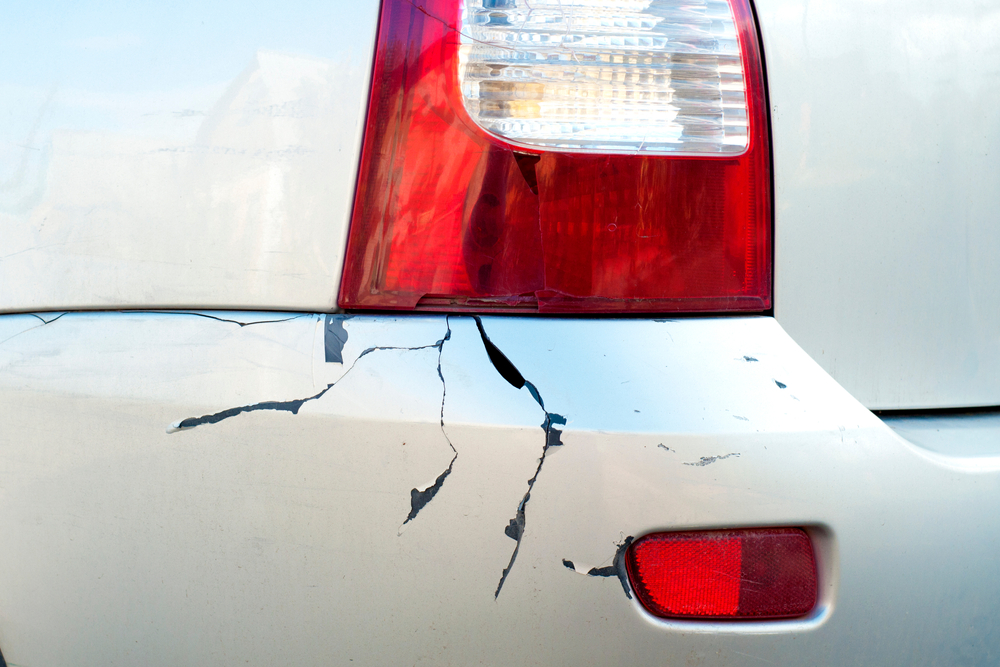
(737,574)
(449,216)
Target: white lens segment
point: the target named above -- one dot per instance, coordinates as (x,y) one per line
(660,77)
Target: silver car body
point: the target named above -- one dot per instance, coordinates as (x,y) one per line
(204,463)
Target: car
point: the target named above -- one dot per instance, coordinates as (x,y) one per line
(500,332)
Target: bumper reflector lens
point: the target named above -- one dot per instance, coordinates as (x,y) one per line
(728,574)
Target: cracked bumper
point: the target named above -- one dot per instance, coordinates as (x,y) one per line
(271,535)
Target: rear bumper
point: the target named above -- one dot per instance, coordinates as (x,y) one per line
(180,489)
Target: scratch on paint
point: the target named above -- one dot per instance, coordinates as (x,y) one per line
(706,460)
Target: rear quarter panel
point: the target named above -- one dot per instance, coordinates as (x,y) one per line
(886,164)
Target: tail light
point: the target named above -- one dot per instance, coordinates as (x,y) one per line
(736,574)
(563,156)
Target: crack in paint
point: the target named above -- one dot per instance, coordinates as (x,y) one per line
(45,321)
(160,312)
(706,460)
(213,317)
(508,371)
(553,438)
(293,405)
(616,569)
(37,326)
(515,528)
(420,498)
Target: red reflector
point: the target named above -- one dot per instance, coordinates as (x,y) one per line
(449,217)
(738,574)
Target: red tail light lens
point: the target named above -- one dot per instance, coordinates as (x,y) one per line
(738,574)
(449,216)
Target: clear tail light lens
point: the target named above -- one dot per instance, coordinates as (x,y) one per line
(739,574)
(588,156)
(605,76)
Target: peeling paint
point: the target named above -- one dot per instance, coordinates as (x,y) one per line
(707,460)
(293,405)
(334,338)
(616,569)
(746,358)
(515,528)
(662,446)
(781,385)
(534,394)
(553,438)
(500,361)
(420,497)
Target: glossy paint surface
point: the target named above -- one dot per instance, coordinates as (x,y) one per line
(970,435)
(886,164)
(179,154)
(139,531)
